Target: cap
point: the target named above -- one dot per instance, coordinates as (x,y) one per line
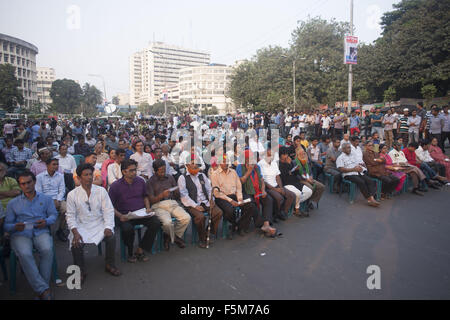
(406,109)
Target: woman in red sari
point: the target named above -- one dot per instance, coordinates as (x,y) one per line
(391,169)
(438,156)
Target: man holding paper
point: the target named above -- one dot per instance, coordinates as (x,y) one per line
(90,217)
(162,191)
(129,198)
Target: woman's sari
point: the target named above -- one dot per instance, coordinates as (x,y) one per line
(399,174)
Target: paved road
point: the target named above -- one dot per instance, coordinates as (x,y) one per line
(321,257)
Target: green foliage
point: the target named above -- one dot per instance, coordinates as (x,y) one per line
(66,95)
(390,94)
(115,100)
(10,94)
(363,96)
(90,99)
(412,51)
(428,92)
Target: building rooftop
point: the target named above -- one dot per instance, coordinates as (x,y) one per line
(18,41)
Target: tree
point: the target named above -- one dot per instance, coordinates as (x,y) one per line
(10,95)
(428,92)
(412,51)
(144,108)
(115,100)
(90,99)
(390,94)
(66,95)
(362,96)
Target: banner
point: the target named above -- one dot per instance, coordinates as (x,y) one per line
(351,50)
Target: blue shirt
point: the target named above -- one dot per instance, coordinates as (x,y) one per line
(51,186)
(35,132)
(354,122)
(20,209)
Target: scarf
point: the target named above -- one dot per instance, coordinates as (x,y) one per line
(302,168)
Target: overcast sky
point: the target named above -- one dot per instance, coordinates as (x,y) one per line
(82,37)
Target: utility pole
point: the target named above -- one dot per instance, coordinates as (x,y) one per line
(350,67)
(293,83)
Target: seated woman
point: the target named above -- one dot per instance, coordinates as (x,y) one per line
(438,156)
(392,169)
(305,171)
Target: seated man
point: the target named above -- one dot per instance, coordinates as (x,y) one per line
(114,169)
(423,155)
(129,194)
(399,160)
(376,166)
(41,165)
(28,218)
(143,159)
(254,188)
(195,190)
(315,155)
(291,179)
(19,158)
(306,176)
(349,165)
(81,147)
(162,191)
(274,186)
(90,217)
(227,190)
(432,177)
(91,159)
(330,164)
(51,183)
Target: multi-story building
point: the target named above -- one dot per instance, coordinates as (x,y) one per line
(156,68)
(45,78)
(21,55)
(206,86)
(124,99)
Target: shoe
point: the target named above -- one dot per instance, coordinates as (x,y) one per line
(422,189)
(417,192)
(61,236)
(282,216)
(202,245)
(180,242)
(166,242)
(434,186)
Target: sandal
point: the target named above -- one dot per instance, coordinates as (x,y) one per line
(113,270)
(46,295)
(141,257)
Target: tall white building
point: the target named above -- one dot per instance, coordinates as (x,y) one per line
(21,55)
(45,78)
(206,86)
(156,68)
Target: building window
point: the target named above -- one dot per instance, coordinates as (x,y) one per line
(5,46)
(6,58)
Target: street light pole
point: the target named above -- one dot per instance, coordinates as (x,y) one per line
(293,84)
(350,68)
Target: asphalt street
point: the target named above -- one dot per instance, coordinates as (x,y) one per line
(325,256)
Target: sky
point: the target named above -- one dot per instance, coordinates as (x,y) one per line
(82,37)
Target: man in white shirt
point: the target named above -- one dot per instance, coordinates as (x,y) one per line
(302,121)
(195,193)
(295,131)
(423,155)
(67,162)
(114,170)
(144,160)
(399,159)
(274,186)
(326,121)
(356,150)
(90,217)
(349,165)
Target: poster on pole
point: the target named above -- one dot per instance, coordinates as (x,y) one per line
(351,50)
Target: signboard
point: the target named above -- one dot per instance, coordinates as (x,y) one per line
(351,50)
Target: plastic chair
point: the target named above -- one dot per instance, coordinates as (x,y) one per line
(225,223)
(3,265)
(78,159)
(379,184)
(12,269)
(352,189)
(330,179)
(123,253)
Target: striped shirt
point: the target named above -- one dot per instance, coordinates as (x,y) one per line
(403,124)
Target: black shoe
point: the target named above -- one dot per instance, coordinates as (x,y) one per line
(282,216)
(61,235)
(417,192)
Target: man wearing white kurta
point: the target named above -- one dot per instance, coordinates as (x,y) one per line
(90,217)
